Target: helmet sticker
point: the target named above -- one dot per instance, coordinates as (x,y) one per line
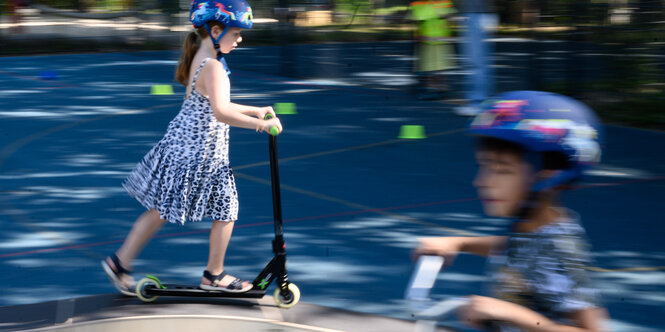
(202,8)
(501,111)
(484,119)
(586,151)
(509,106)
(580,138)
(221,10)
(247,16)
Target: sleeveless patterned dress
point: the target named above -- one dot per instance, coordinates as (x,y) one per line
(186,175)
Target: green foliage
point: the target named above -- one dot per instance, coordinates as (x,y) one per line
(353,6)
(87,5)
(63,4)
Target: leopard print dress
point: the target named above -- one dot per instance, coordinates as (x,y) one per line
(186,175)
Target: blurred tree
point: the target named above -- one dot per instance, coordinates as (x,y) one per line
(352,7)
(648,11)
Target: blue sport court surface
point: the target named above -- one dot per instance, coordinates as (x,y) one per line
(355,196)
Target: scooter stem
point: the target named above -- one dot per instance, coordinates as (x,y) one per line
(276,195)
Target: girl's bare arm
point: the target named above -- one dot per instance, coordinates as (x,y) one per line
(215,84)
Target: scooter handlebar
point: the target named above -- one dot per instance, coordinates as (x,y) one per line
(274,131)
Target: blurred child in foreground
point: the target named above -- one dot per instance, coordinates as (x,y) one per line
(531,146)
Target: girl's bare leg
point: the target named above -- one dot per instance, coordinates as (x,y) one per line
(143,230)
(220,235)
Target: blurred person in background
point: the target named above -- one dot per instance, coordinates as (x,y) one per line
(478,22)
(434,53)
(14,6)
(531,145)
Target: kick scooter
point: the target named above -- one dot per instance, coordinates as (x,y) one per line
(286,295)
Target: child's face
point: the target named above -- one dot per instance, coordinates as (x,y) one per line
(230,40)
(503,182)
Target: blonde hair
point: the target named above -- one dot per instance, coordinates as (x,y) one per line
(189,48)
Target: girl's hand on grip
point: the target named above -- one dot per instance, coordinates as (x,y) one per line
(272,125)
(262,112)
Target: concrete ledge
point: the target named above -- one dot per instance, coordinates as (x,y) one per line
(178,323)
(113,312)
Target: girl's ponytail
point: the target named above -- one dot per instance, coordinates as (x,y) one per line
(189,48)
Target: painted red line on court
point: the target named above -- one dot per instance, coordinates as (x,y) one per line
(382,209)
(619,183)
(75,246)
(200,231)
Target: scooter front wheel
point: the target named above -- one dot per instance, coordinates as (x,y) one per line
(290,300)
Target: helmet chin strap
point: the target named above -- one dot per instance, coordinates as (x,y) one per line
(537,190)
(562,177)
(215,43)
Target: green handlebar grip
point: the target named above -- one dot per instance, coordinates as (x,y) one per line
(273,130)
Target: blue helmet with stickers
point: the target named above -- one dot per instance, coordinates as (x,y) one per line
(544,122)
(231,13)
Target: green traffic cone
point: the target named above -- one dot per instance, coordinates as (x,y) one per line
(412,132)
(285,108)
(161,89)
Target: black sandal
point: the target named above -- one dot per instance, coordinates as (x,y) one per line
(234,287)
(116,276)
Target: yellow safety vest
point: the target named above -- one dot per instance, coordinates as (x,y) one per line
(432,28)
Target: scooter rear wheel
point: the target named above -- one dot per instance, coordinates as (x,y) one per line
(140,289)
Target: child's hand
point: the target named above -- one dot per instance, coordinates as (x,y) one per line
(439,246)
(273,122)
(262,111)
(482,310)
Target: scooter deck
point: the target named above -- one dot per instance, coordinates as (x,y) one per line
(195,291)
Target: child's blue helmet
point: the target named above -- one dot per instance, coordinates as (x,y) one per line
(231,13)
(544,122)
